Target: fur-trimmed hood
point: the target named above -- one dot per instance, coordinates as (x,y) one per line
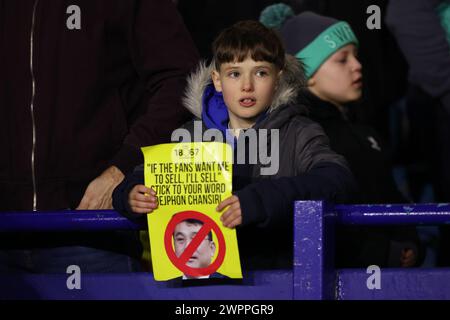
(292,80)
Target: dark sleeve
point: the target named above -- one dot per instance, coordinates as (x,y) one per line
(271,202)
(422,39)
(120,194)
(163,53)
(322,175)
(313,146)
(388,191)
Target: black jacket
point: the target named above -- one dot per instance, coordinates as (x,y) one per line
(362,147)
(89,97)
(368,160)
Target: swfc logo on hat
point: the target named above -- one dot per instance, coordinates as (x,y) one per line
(310,37)
(324,45)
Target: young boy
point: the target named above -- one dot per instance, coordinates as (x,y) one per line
(249,86)
(329,50)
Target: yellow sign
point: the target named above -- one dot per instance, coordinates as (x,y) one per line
(186,235)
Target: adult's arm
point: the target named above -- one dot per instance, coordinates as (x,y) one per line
(163,53)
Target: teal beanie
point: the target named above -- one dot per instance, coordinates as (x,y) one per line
(310,37)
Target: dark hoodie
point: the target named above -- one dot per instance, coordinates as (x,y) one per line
(308,170)
(361,146)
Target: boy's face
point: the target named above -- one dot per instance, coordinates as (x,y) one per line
(339,79)
(248,88)
(183,234)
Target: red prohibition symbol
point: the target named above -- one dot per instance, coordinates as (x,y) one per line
(208,225)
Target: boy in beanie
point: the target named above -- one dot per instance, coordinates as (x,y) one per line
(328,48)
(248,88)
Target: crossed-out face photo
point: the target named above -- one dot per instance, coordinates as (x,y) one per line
(183,234)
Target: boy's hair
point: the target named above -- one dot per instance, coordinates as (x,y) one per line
(246,38)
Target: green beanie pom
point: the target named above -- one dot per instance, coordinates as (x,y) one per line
(275,15)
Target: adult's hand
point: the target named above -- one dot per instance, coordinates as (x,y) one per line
(98,194)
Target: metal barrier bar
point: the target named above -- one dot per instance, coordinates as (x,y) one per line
(95,220)
(313,272)
(396,284)
(312,276)
(392,214)
(69,220)
(260,285)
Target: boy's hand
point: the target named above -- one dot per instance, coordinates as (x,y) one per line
(233,216)
(142,199)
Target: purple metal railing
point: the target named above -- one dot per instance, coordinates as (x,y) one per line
(313,275)
(69,220)
(391,214)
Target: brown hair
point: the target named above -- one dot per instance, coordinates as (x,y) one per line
(246,38)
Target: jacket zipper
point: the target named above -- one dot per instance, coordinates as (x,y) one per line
(33,92)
